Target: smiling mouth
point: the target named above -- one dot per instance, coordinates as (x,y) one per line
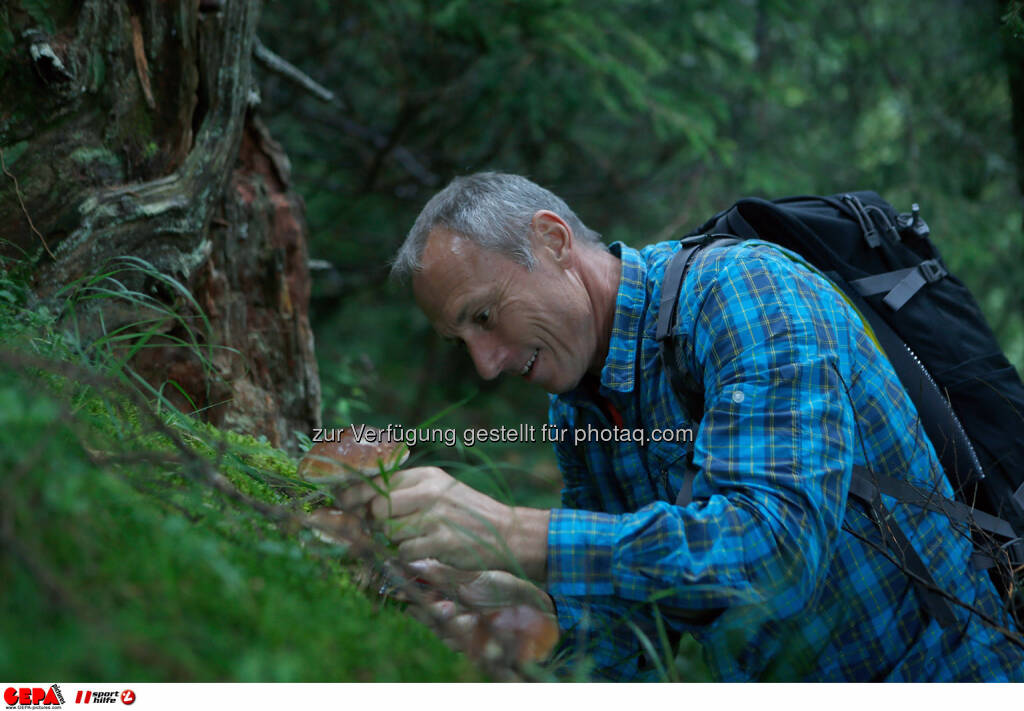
(529,364)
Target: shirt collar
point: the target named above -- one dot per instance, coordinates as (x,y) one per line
(619,372)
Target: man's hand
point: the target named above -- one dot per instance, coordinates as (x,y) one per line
(431,515)
(491,614)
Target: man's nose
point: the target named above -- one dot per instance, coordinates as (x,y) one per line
(487,353)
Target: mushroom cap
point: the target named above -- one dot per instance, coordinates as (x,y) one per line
(348,459)
(518,634)
(336,526)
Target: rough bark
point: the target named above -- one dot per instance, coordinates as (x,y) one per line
(130,130)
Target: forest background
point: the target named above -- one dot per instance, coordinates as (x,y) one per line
(645,116)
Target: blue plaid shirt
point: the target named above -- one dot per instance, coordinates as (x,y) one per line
(768,567)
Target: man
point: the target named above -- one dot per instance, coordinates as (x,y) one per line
(769,567)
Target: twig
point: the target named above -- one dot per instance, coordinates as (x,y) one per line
(282,67)
(1010,635)
(401,154)
(21,201)
(289,71)
(885,533)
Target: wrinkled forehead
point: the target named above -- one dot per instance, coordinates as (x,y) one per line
(447,257)
(446,272)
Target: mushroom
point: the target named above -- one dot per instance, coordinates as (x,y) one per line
(514,635)
(348,460)
(344,461)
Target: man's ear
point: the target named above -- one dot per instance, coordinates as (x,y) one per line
(551,234)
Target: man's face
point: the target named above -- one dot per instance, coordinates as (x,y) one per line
(538,325)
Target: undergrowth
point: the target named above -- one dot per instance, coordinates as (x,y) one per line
(139,543)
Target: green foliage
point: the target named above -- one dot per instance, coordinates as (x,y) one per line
(1013,20)
(647,117)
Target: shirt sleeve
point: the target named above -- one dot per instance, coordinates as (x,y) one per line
(601,637)
(774,447)
(612,640)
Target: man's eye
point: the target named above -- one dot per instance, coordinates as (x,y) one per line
(457,342)
(483,318)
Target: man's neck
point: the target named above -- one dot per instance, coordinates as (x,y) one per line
(602,277)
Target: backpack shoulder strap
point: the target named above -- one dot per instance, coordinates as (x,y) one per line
(688,389)
(675,272)
(863,488)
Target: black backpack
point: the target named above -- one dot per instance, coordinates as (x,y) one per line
(970,398)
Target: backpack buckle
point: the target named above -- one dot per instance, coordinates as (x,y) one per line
(704,238)
(932,270)
(694,239)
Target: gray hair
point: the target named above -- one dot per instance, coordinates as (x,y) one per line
(493,210)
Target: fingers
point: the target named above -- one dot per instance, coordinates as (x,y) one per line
(439,542)
(419,547)
(487,617)
(397,487)
(455,624)
(441,575)
(432,570)
(480,590)
(359,495)
(400,512)
(401,503)
(443,610)
(428,514)
(491,588)
(460,627)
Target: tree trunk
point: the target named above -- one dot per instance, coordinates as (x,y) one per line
(128,128)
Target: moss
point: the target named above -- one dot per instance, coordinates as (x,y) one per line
(99,163)
(137,123)
(86,155)
(135,131)
(124,564)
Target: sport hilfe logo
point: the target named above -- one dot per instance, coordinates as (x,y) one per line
(34,697)
(126,697)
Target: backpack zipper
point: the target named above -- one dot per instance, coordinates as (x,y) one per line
(956,420)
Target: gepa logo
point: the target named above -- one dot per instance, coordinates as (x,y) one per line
(35,697)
